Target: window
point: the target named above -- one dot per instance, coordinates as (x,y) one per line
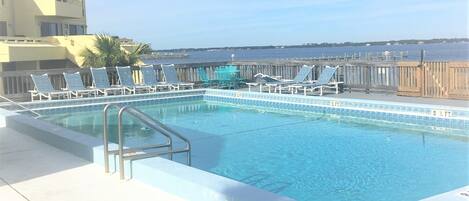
(3,28)
(51,29)
(76,29)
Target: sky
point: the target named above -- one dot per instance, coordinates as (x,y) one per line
(219,23)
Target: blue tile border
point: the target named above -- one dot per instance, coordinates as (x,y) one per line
(377,110)
(381,110)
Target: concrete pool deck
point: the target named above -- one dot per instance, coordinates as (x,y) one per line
(460,194)
(31,170)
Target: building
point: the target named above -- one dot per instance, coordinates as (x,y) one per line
(37,34)
(42,35)
(40,18)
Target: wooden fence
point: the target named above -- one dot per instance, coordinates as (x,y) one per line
(434,79)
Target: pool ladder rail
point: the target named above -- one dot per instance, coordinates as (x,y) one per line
(35,114)
(143,152)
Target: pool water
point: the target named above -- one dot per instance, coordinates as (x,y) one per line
(304,156)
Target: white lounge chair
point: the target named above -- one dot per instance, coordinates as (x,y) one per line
(172,79)
(150,79)
(126,81)
(101,82)
(75,85)
(279,84)
(324,81)
(43,88)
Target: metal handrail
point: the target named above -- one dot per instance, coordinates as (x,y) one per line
(19,105)
(151,123)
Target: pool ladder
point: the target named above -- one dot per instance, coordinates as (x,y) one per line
(37,115)
(138,153)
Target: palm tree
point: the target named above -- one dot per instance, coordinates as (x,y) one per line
(109,52)
(134,56)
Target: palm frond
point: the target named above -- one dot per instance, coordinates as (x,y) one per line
(110,53)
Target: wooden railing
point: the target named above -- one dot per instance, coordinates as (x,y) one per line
(403,78)
(434,79)
(361,76)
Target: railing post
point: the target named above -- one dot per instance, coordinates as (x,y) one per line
(2,88)
(121,144)
(368,79)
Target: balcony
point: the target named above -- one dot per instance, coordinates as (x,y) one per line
(14,49)
(62,8)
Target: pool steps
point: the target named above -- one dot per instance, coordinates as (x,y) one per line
(138,153)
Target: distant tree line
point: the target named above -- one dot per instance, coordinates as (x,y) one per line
(344,44)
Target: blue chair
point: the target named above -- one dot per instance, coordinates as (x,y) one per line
(101,82)
(126,81)
(300,78)
(206,81)
(150,79)
(172,79)
(75,85)
(43,88)
(324,81)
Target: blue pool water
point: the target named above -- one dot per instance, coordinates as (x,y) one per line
(305,156)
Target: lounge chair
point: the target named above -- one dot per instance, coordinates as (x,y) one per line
(324,81)
(262,79)
(279,84)
(43,88)
(101,82)
(126,81)
(75,85)
(149,78)
(172,79)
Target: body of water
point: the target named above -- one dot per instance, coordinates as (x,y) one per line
(433,52)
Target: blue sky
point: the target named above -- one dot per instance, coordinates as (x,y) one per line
(216,23)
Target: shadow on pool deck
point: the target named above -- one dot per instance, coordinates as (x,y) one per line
(23,158)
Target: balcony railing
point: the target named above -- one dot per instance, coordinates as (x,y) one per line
(15,40)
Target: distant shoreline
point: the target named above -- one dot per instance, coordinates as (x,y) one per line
(319,45)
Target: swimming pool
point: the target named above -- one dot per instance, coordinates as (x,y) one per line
(303,155)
